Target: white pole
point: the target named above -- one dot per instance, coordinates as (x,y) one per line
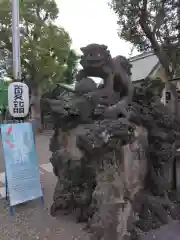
(16,40)
(165,91)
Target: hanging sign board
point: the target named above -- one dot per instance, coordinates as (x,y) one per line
(21,165)
(166,96)
(18,99)
(178,90)
(178,85)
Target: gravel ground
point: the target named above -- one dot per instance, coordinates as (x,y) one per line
(32,220)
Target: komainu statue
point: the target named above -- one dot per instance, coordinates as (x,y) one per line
(113,152)
(97,62)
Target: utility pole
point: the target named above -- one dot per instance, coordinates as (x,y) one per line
(16,40)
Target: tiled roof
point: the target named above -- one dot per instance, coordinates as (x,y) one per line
(142,65)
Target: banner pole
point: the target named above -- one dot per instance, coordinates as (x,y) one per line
(16,40)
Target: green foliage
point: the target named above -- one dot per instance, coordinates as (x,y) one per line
(44,45)
(151,25)
(4,93)
(71,67)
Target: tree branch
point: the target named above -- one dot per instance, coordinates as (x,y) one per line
(46,16)
(151,36)
(144,8)
(38,12)
(159,18)
(178,24)
(27,29)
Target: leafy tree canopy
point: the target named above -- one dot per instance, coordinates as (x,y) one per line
(44,46)
(151,25)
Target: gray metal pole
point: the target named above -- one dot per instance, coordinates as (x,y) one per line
(16,40)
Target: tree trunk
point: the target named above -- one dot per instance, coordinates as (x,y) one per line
(156,47)
(161,56)
(35,108)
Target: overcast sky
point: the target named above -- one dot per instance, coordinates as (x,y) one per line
(91,21)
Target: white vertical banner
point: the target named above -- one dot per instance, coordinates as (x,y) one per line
(163,98)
